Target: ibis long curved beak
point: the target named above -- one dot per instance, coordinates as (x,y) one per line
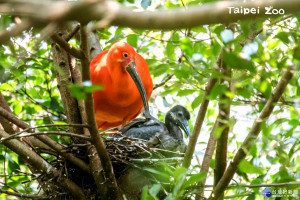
(132,70)
(184,124)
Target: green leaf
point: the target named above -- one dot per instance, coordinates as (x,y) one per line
(161,174)
(145,195)
(217,90)
(145,3)
(219,131)
(160,69)
(237,62)
(170,50)
(132,39)
(187,46)
(297,53)
(246,167)
(197,101)
(13,166)
(283,36)
(251,197)
(17,108)
(194,179)
(218,29)
(115,39)
(178,172)
(256,181)
(154,189)
(54,105)
(79,92)
(185,92)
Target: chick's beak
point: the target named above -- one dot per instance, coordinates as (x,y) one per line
(184,124)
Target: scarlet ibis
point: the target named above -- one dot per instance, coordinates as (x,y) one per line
(168,134)
(127,85)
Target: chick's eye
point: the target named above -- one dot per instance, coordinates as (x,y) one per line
(180,114)
(125,55)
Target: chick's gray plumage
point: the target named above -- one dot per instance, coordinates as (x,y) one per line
(166,135)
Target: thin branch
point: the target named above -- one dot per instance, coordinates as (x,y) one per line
(51,143)
(77,53)
(255,102)
(200,118)
(42,166)
(254,132)
(260,185)
(22,195)
(91,120)
(44,12)
(208,156)
(192,66)
(151,160)
(167,78)
(198,124)
(51,125)
(19,135)
(74,31)
(224,112)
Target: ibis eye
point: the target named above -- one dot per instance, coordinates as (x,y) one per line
(180,114)
(125,55)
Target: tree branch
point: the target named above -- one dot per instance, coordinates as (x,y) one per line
(91,120)
(198,124)
(254,132)
(167,78)
(44,12)
(19,135)
(208,156)
(48,141)
(77,53)
(52,125)
(200,118)
(42,166)
(222,141)
(22,195)
(261,185)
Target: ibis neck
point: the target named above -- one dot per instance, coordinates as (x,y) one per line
(174,131)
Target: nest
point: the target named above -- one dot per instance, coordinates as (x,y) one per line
(125,153)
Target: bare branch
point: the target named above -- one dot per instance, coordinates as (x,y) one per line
(44,12)
(91,120)
(52,125)
(57,147)
(254,132)
(222,141)
(261,185)
(22,195)
(208,155)
(198,124)
(167,78)
(19,135)
(74,31)
(42,166)
(66,46)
